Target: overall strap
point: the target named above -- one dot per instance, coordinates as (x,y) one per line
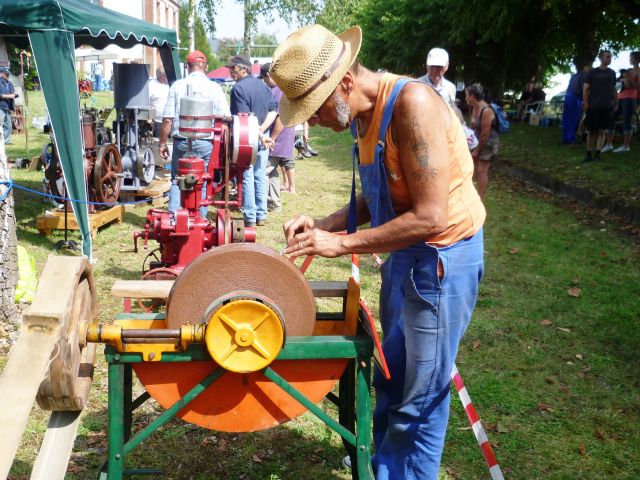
(388,109)
(352,224)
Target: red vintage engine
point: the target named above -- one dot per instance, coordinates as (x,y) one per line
(185,234)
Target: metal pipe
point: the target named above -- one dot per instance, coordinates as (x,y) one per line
(129,333)
(139,340)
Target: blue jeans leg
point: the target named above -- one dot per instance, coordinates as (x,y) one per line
(255,189)
(627,106)
(410,423)
(201,149)
(6,126)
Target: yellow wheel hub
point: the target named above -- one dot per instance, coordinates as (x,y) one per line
(244,334)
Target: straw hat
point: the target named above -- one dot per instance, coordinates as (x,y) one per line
(308,65)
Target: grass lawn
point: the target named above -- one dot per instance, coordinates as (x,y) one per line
(540,149)
(550,358)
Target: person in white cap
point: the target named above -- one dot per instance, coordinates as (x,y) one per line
(418,197)
(437,65)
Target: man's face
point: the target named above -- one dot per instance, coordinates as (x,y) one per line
(334,113)
(237,72)
(436,73)
(605,59)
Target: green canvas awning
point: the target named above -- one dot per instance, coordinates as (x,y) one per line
(54,28)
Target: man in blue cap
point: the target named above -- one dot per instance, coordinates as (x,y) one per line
(252,95)
(7,97)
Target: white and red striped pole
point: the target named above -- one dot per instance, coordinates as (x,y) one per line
(476,425)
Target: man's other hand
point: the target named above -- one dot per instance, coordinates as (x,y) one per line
(299,224)
(164,151)
(316,242)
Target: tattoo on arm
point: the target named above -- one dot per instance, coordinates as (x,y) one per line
(424,174)
(418,145)
(421,151)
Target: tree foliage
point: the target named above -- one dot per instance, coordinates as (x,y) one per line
(298,12)
(500,43)
(263,46)
(201,40)
(338,15)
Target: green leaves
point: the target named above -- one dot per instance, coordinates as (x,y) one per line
(500,43)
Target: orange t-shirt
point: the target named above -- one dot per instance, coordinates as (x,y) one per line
(630,93)
(466,212)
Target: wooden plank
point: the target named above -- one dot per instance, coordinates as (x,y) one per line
(21,377)
(142,288)
(55,451)
(29,358)
(153,192)
(161,288)
(55,220)
(328,289)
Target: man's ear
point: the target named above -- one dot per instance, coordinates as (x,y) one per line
(347,82)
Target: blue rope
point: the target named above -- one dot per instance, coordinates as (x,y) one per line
(11,184)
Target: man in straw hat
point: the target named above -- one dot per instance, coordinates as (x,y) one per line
(418,195)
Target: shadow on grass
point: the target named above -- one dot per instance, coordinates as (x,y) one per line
(182,450)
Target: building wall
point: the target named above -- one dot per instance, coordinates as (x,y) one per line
(164,13)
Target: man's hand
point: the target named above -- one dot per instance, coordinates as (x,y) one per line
(585,106)
(267,142)
(316,242)
(164,151)
(299,224)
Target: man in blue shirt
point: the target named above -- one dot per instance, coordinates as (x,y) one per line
(7,95)
(250,95)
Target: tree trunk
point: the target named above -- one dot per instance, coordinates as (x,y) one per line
(8,244)
(191,25)
(248,25)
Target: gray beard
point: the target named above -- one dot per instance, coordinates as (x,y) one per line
(343,111)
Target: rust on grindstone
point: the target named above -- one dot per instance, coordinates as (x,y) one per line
(242,267)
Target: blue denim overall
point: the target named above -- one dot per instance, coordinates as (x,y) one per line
(423,318)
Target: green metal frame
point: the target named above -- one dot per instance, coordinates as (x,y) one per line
(353,399)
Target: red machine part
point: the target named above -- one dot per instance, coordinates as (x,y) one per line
(184,234)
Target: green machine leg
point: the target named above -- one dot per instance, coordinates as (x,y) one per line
(354,402)
(115,461)
(358,441)
(363,420)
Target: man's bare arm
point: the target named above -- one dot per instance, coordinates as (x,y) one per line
(419,128)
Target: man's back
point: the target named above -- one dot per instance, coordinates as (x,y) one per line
(195,84)
(251,95)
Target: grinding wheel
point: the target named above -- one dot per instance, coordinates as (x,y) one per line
(242,266)
(241,402)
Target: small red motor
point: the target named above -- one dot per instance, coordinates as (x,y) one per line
(184,234)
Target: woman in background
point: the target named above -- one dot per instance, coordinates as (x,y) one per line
(483,122)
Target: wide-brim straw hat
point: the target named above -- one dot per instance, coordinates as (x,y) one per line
(308,65)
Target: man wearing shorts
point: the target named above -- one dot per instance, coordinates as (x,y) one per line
(600,100)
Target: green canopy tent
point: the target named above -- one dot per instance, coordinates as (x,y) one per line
(54,28)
